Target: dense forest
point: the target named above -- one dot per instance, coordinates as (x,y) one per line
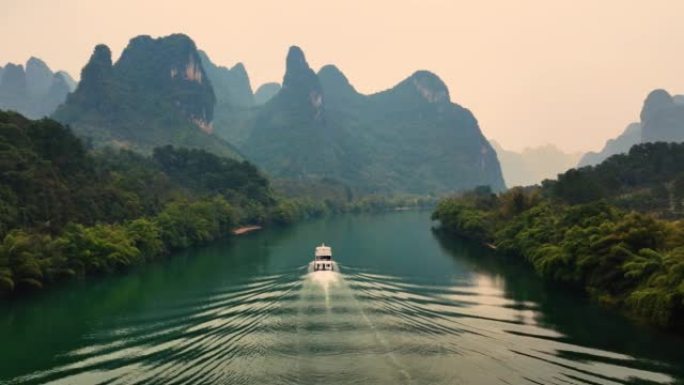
(614,230)
(69,212)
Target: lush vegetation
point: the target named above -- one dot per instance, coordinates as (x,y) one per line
(650,178)
(324,196)
(66,212)
(157,93)
(410,139)
(613,230)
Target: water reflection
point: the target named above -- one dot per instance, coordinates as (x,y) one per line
(404,308)
(567,317)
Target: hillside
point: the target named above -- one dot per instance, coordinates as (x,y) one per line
(157,93)
(265,92)
(231,85)
(234,100)
(68,212)
(606,229)
(410,138)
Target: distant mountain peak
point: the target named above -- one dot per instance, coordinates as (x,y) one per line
(336,87)
(297,70)
(156,93)
(34,90)
(662,118)
(15,70)
(94,74)
(533,164)
(239,68)
(37,66)
(333,74)
(14,77)
(13,88)
(300,81)
(38,76)
(296,60)
(183,62)
(231,86)
(68,79)
(332,71)
(430,87)
(34,61)
(409,138)
(102,57)
(655,100)
(266,92)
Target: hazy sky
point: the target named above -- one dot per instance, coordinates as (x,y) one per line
(573,73)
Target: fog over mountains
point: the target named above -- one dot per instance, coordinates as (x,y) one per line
(33,89)
(534,164)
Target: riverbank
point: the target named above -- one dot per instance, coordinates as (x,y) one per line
(624,260)
(391,262)
(71,212)
(246,229)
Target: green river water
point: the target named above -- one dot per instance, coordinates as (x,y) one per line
(405,308)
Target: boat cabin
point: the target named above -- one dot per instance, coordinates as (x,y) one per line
(323,258)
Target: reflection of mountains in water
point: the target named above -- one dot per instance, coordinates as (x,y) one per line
(353,328)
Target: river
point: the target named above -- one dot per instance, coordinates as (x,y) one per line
(406,308)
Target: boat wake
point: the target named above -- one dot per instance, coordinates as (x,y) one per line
(357,327)
(326,280)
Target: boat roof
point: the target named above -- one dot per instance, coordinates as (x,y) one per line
(323,250)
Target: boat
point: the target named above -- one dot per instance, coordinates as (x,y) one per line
(323,258)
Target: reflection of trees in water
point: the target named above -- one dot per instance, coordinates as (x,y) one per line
(58,321)
(568,310)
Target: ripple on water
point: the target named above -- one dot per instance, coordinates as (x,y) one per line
(355,327)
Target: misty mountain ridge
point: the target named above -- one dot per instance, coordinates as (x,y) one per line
(662,120)
(409,138)
(33,90)
(534,164)
(231,85)
(620,145)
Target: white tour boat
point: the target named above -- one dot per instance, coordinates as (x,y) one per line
(323,258)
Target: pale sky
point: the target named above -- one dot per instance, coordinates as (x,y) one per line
(572,73)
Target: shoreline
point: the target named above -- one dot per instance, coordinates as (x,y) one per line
(246,229)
